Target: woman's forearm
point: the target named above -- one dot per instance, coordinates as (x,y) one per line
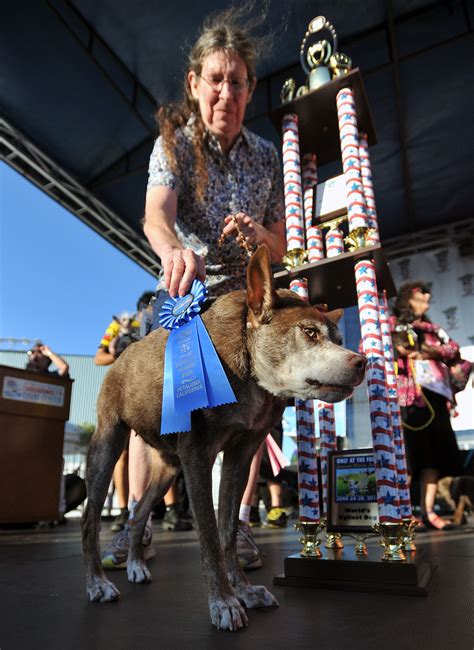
(161,234)
(276,243)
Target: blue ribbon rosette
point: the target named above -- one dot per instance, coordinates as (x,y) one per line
(193,376)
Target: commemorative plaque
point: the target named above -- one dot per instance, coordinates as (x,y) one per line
(352,497)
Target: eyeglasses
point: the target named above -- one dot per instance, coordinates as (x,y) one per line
(216,82)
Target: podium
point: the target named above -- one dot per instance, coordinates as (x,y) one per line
(33,410)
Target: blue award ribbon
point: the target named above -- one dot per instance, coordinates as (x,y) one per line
(193,375)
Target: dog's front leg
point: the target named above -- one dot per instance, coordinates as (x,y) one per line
(197,459)
(235,471)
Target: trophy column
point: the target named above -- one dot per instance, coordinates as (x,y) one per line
(343,277)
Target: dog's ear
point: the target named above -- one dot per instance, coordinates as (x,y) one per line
(334,316)
(261,295)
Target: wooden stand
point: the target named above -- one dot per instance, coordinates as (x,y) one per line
(33,410)
(331,280)
(317,117)
(343,569)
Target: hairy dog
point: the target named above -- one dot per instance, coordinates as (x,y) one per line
(272,346)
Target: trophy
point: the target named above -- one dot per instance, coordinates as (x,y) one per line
(319,59)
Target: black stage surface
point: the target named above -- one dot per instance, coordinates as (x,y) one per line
(43,603)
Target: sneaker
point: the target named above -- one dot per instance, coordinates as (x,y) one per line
(276,518)
(120,520)
(175,520)
(248,553)
(254,519)
(115,553)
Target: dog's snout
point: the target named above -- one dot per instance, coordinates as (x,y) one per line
(359,362)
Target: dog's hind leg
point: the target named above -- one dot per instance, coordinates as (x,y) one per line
(235,471)
(163,470)
(104,450)
(197,460)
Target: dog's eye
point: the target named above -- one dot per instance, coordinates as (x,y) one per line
(311,333)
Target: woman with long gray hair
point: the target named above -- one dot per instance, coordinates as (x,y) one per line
(210,178)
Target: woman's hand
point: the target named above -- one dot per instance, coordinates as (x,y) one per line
(180,267)
(430,352)
(46,351)
(253,232)
(408,353)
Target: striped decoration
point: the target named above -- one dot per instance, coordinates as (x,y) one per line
(308,480)
(292,183)
(328,442)
(394,407)
(310,180)
(334,242)
(372,222)
(349,138)
(385,466)
(314,238)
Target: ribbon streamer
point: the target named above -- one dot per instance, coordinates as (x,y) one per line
(193,374)
(278,460)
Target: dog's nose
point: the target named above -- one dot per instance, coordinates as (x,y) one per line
(359,362)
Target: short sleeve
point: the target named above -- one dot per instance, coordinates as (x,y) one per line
(159,172)
(275,210)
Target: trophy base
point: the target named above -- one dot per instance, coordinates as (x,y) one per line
(347,571)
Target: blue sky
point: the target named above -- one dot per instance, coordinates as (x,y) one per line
(59,280)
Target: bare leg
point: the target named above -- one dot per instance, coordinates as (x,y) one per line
(275,494)
(121,479)
(429,483)
(251,487)
(171,496)
(139,466)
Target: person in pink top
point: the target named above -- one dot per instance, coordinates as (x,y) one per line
(424,351)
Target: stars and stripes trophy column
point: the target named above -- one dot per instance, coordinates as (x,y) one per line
(390,517)
(409,522)
(308,482)
(323,119)
(326,418)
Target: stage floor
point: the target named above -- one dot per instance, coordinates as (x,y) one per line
(43,602)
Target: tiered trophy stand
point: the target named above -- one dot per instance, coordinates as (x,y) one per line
(331,279)
(327,120)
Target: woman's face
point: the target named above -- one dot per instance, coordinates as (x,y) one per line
(420,303)
(223,92)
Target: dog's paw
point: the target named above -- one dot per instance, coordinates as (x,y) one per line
(227,613)
(138,572)
(253,596)
(101,590)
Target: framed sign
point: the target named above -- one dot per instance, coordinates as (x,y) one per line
(352,492)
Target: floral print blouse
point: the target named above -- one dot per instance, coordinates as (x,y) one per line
(248,180)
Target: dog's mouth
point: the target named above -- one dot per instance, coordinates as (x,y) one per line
(331,388)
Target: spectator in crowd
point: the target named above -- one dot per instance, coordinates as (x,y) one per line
(40,358)
(425,394)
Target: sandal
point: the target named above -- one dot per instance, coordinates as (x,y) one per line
(432,520)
